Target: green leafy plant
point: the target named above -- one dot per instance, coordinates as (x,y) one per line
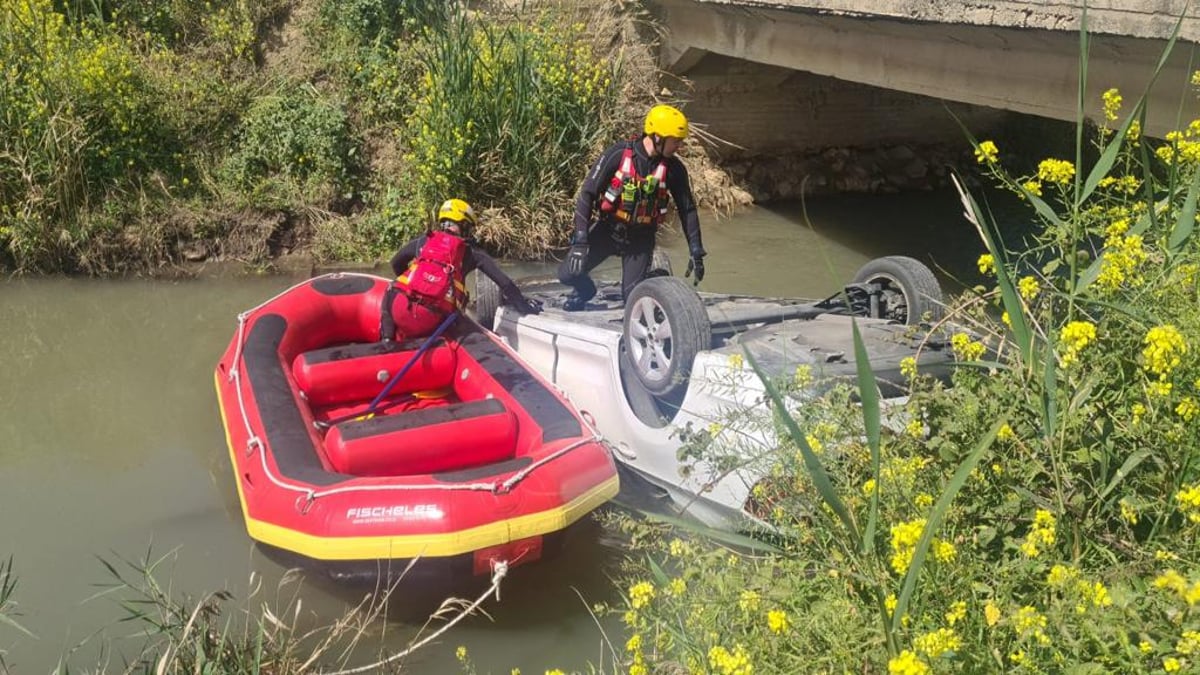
(506,114)
(296,137)
(1040,515)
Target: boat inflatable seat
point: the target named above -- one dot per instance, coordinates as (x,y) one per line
(359,372)
(430,440)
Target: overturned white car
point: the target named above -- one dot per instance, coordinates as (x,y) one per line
(670,357)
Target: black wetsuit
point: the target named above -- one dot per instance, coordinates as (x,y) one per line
(634,243)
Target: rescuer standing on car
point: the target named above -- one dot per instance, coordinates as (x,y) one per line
(628,190)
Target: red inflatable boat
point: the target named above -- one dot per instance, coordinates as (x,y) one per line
(470,459)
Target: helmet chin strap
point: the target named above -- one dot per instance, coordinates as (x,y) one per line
(659,143)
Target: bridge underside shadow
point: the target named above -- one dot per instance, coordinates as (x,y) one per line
(1029,71)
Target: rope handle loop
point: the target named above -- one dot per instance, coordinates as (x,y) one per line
(305,501)
(252,443)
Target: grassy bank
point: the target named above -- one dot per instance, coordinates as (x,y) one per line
(136,135)
(1040,515)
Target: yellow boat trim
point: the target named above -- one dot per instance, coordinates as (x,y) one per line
(416,545)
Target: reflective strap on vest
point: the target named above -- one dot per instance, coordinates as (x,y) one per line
(641,212)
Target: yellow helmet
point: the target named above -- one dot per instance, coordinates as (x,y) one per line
(458,211)
(666,121)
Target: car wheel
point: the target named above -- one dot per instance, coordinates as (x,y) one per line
(908,290)
(487,300)
(665,327)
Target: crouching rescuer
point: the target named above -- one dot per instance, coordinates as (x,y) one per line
(622,203)
(430,276)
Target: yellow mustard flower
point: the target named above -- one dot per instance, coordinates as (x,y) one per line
(777,621)
(640,594)
(1005,433)
(748,601)
(907,663)
(725,662)
(1164,349)
(1074,337)
(987,153)
(958,612)
(1028,287)
(938,642)
(986,264)
(1056,171)
(991,613)
(1112,104)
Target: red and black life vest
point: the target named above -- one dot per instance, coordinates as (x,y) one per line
(435,276)
(634,199)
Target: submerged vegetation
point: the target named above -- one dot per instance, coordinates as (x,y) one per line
(1040,515)
(139,134)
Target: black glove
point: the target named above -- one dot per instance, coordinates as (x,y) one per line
(524,305)
(696,264)
(513,297)
(576,259)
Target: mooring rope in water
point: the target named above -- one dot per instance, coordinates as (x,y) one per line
(499,570)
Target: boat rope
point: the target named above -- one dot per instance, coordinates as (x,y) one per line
(307,495)
(519,476)
(499,570)
(237,355)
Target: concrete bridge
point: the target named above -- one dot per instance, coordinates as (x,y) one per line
(772,75)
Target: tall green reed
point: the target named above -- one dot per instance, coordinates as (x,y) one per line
(506,114)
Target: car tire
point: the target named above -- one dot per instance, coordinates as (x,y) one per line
(665,327)
(909,290)
(488,299)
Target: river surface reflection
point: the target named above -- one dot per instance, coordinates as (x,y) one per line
(113,446)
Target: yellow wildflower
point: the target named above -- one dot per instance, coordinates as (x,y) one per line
(1028,287)
(991,613)
(908,367)
(904,543)
(1056,171)
(725,662)
(986,153)
(1187,408)
(1074,337)
(868,488)
(803,376)
(986,264)
(1128,512)
(938,642)
(958,612)
(1171,664)
(907,663)
(966,348)
(1189,501)
(635,643)
(1112,104)
(748,601)
(1005,433)
(915,429)
(1163,351)
(777,621)
(640,594)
